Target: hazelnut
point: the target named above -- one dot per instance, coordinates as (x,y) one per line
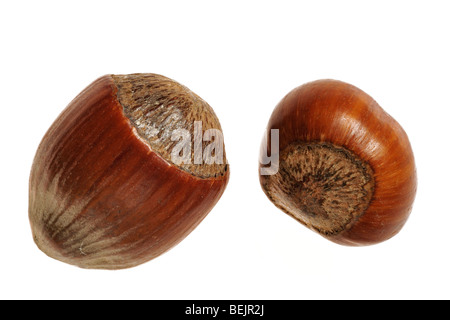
(127,171)
(344,167)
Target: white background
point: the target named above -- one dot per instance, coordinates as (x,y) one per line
(242,57)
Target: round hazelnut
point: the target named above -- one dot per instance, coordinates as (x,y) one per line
(344,167)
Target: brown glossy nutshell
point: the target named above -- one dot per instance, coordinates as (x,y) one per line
(104,192)
(346,168)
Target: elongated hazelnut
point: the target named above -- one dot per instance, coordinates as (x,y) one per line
(123,174)
(344,167)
